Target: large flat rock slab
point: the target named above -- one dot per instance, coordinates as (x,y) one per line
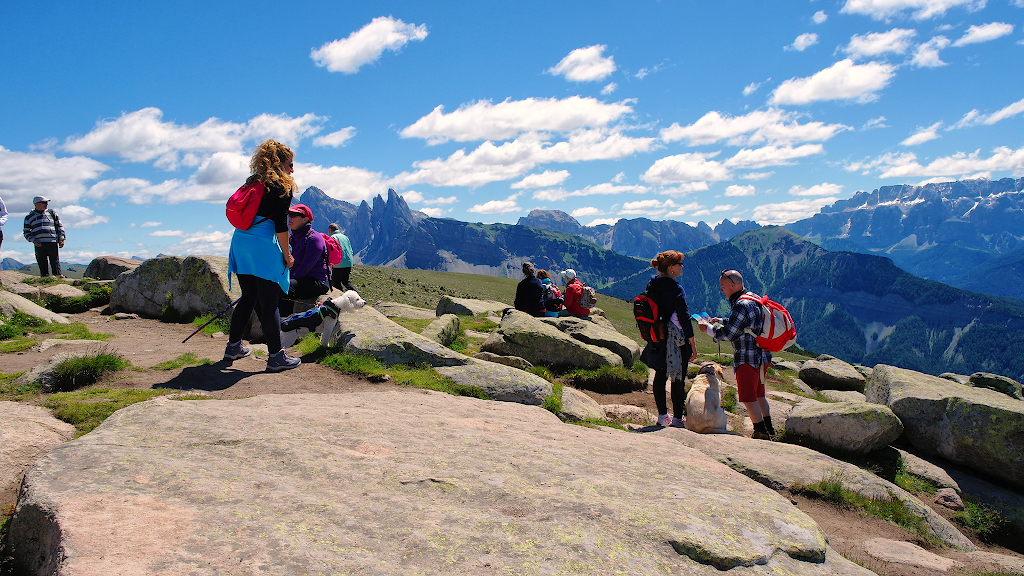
(22,304)
(26,434)
(396,482)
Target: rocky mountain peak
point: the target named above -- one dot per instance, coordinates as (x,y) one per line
(553,220)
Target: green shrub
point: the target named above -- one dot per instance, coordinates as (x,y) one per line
(607,379)
(222,324)
(543,372)
(9,331)
(86,409)
(11,391)
(553,403)
(729,399)
(96,295)
(77,372)
(978,517)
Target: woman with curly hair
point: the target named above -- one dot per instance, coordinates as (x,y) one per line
(260,257)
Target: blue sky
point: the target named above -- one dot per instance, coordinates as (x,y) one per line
(137,119)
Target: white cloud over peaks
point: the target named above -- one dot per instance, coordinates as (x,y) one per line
(586,211)
(823,189)
(335,139)
(441,201)
(341,182)
(922,135)
(605,189)
(542,180)
(984,33)
(142,136)
(895,41)
(920,9)
(26,174)
(608,221)
(434,212)
(844,80)
(366,45)
(684,189)
(789,212)
(927,54)
(771,156)
(736,191)
(724,208)
(819,17)
(974,117)
(959,164)
(584,65)
(74,216)
(686,168)
(803,42)
(774,126)
(497,206)
(483,120)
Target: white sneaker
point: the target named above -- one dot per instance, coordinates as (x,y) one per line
(664,420)
(678,422)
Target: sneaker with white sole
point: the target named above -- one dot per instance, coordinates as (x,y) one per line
(236,350)
(664,420)
(678,422)
(281,361)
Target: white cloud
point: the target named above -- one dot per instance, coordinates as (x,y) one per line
(216,243)
(875,123)
(586,211)
(895,41)
(844,80)
(685,168)
(649,207)
(335,139)
(927,54)
(342,182)
(483,120)
(63,179)
(724,208)
(609,88)
(803,42)
(921,9)
(168,233)
(959,164)
(608,221)
(974,117)
(823,189)
(434,212)
(774,126)
(736,191)
(74,216)
(922,135)
(984,33)
(621,176)
(771,156)
(757,175)
(150,224)
(142,136)
(367,44)
(497,206)
(585,65)
(788,212)
(444,201)
(412,196)
(604,189)
(819,17)
(751,88)
(684,189)
(543,180)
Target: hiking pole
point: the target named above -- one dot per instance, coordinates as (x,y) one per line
(219,314)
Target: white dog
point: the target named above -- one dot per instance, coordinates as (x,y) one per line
(704,412)
(325,323)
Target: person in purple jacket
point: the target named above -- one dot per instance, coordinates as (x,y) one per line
(310,273)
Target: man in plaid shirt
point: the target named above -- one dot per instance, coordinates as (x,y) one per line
(750,361)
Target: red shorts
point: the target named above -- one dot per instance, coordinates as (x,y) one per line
(749,382)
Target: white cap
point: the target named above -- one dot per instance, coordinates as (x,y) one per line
(569,274)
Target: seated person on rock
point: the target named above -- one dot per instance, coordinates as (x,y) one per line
(530,293)
(551,296)
(573,293)
(310,276)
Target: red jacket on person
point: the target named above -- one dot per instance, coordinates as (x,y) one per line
(573,293)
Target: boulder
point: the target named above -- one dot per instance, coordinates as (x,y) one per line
(62,291)
(783,466)
(147,289)
(513,361)
(629,413)
(1007,386)
(958,378)
(402,481)
(500,382)
(24,290)
(804,388)
(110,267)
(843,396)
(578,406)
(396,310)
(26,434)
(829,373)
(948,498)
(367,331)
(591,332)
(520,334)
(467,306)
(865,370)
(26,306)
(444,330)
(170,287)
(787,365)
(976,427)
(920,467)
(895,553)
(856,427)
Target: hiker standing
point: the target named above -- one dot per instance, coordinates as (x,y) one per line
(44,230)
(750,361)
(340,274)
(310,275)
(573,294)
(3,220)
(530,293)
(669,356)
(260,257)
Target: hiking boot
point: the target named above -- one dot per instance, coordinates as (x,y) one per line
(281,361)
(236,350)
(678,422)
(758,435)
(664,420)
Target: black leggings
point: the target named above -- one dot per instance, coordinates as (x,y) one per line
(678,389)
(265,294)
(340,278)
(48,251)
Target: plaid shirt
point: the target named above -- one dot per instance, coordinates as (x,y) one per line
(746,314)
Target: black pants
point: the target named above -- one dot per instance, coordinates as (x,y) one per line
(301,289)
(265,294)
(339,278)
(48,251)
(678,388)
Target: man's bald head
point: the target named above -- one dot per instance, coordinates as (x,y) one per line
(730,282)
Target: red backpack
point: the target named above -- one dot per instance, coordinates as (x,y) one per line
(334,252)
(243,204)
(777,331)
(645,310)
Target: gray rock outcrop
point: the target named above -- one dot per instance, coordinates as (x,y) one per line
(590,332)
(843,396)
(62,291)
(829,373)
(857,427)
(629,413)
(513,361)
(444,330)
(110,267)
(26,434)
(450,485)
(1007,386)
(367,331)
(976,427)
(958,378)
(397,310)
(467,306)
(520,334)
(22,304)
(177,286)
(24,290)
(500,382)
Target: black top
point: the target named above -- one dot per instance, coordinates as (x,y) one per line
(274,207)
(668,295)
(530,296)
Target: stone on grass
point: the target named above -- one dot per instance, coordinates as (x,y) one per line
(857,427)
(26,434)
(520,334)
(397,310)
(444,330)
(949,498)
(171,287)
(591,332)
(467,306)
(578,406)
(958,378)
(865,370)
(788,365)
(400,482)
(804,388)
(513,361)
(976,427)
(500,382)
(629,413)
(996,382)
(110,267)
(25,290)
(907,555)
(26,306)
(829,373)
(843,396)
(367,331)
(920,467)
(62,291)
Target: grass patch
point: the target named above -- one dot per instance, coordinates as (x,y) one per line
(417,376)
(831,489)
(478,323)
(461,343)
(96,295)
(186,359)
(543,372)
(310,343)
(413,324)
(87,409)
(80,371)
(10,331)
(553,403)
(594,422)
(222,324)
(607,379)
(986,522)
(42,281)
(21,328)
(193,397)
(729,399)
(13,392)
